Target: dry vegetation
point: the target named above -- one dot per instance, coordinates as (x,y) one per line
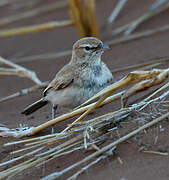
(88,134)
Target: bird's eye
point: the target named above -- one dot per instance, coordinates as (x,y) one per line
(87,48)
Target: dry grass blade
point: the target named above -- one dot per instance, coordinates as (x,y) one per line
(52,137)
(160,89)
(144,85)
(156,152)
(34,28)
(33,130)
(83,17)
(151,63)
(14,170)
(25,91)
(86,167)
(106,148)
(21,4)
(130,27)
(20,157)
(6,2)
(116,11)
(146,16)
(48,56)
(89,6)
(41,158)
(76,14)
(43,56)
(18,70)
(138,35)
(32,13)
(31,139)
(9,72)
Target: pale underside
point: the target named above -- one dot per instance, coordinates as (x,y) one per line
(78,87)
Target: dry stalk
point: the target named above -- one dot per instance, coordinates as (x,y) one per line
(26,91)
(144,85)
(32,13)
(32,139)
(152,12)
(20,157)
(156,152)
(19,71)
(116,11)
(66,134)
(5,2)
(160,89)
(44,56)
(83,17)
(138,35)
(34,28)
(90,9)
(42,157)
(74,176)
(76,15)
(130,27)
(21,4)
(150,63)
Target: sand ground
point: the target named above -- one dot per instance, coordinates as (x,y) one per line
(136,165)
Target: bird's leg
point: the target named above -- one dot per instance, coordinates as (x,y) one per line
(54,111)
(53,116)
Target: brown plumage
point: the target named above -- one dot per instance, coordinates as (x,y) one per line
(80,79)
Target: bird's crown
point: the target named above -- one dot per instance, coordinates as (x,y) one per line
(87,42)
(88,48)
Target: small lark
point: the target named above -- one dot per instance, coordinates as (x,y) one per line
(84,76)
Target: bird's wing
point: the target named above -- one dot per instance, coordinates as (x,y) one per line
(62,79)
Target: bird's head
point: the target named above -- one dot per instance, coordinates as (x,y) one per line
(89,49)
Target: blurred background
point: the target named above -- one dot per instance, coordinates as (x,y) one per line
(39,34)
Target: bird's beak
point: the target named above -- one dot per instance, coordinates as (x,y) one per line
(105,47)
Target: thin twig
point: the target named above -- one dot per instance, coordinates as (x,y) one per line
(21,71)
(46,56)
(24,91)
(156,152)
(74,176)
(116,11)
(156,61)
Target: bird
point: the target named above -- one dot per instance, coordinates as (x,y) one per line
(84,76)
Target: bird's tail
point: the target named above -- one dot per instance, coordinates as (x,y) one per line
(35,106)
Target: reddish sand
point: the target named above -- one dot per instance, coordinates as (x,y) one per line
(136,165)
